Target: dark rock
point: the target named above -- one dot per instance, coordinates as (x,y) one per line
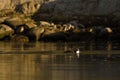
(60,36)
(23,29)
(101,32)
(19,38)
(35,33)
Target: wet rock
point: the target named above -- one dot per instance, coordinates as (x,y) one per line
(79,36)
(20,30)
(60,36)
(19,38)
(101,32)
(100,29)
(35,33)
(49,30)
(5,31)
(23,29)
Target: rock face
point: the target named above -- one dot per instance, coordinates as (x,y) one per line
(61,10)
(10,4)
(64,8)
(24,6)
(69,6)
(82,6)
(28,7)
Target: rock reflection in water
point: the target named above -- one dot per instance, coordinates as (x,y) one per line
(41,46)
(55,67)
(23,67)
(46,61)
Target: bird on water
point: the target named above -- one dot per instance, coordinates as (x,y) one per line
(75,52)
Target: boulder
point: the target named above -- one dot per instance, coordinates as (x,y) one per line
(23,29)
(71,28)
(30,25)
(68,27)
(14,22)
(35,33)
(19,38)
(49,30)
(44,23)
(59,36)
(101,32)
(49,27)
(20,30)
(5,31)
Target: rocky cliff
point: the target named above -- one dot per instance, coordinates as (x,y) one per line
(70,6)
(64,9)
(83,6)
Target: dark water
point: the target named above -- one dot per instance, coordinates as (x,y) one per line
(47,61)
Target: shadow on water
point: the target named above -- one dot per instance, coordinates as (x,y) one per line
(48,61)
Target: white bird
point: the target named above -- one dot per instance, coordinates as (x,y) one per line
(77,53)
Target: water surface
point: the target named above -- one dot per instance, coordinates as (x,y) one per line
(47,61)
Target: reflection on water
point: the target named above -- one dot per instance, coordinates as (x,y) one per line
(47,61)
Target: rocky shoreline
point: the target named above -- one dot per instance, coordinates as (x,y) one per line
(28,22)
(19,28)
